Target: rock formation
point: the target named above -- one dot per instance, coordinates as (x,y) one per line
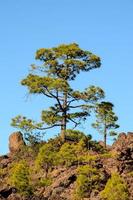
(16,141)
(64,179)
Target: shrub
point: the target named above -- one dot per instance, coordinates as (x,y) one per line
(74,135)
(67,154)
(115,189)
(81,187)
(87,180)
(20,178)
(46,157)
(81,146)
(44,182)
(95,146)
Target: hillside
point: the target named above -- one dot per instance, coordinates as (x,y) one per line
(78,169)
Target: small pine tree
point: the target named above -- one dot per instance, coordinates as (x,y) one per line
(115,189)
(20,178)
(105,120)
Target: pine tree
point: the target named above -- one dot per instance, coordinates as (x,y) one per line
(105,119)
(61,65)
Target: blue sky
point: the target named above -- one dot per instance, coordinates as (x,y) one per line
(103,27)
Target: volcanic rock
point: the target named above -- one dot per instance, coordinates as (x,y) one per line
(16,142)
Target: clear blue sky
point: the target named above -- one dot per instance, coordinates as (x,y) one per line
(101,26)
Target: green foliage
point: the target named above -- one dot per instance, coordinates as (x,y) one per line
(81,187)
(27,152)
(45,182)
(105,119)
(88,179)
(20,178)
(56,143)
(74,135)
(46,157)
(55,153)
(115,189)
(67,155)
(85,142)
(60,65)
(87,158)
(95,146)
(29,129)
(108,154)
(25,124)
(66,61)
(81,146)
(37,84)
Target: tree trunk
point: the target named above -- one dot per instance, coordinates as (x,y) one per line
(105,136)
(64,118)
(63,133)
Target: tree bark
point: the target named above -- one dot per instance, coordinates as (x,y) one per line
(64,118)
(105,136)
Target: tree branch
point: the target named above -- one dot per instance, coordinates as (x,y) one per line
(79,106)
(76,123)
(54,96)
(46,94)
(49,127)
(57,98)
(69,102)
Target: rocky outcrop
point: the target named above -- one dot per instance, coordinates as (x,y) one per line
(123,148)
(119,159)
(16,142)
(124,140)
(62,184)
(4,161)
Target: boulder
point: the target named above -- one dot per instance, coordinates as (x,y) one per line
(123,148)
(15,197)
(16,141)
(6,192)
(123,143)
(57,191)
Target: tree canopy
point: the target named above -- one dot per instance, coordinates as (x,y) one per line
(105,119)
(58,67)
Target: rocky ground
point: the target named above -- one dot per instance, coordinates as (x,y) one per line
(64,178)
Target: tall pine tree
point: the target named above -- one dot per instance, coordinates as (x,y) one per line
(61,65)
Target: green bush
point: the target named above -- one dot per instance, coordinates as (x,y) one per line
(81,147)
(44,182)
(67,154)
(87,180)
(95,146)
(115,189)
(20,178)
(46,157)
(74,135)
(81,187)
